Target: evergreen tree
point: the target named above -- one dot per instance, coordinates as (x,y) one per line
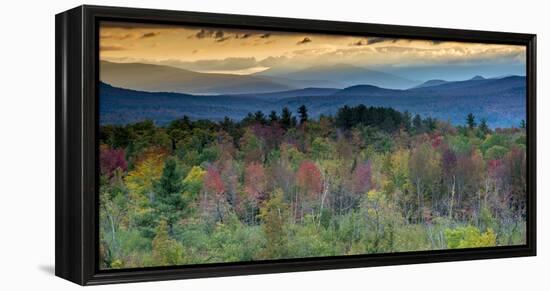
(406,121)
(273,116)
(471,121)
(430,124)
(344,117)
(302,111)
(483,127)
(259,117)
(286,118)
(522,124)
(169,202)
(417,124)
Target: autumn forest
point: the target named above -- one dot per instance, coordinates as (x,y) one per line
(283,184)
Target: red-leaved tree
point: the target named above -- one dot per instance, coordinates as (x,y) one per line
(111,160)
(362,178)
(213,182)
(255,182)
(309,179)
(214,198)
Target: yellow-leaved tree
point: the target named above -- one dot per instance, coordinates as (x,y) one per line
(469,237)
(166,251)
(147,169)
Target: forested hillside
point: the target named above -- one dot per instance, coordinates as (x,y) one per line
(362,181)
(500,101)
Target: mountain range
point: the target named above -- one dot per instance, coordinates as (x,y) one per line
(501,101)
(161,78)
(347,75)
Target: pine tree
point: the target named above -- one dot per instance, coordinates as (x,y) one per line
(169,203)
(302,111)
(273,116)
(471,121)
(406,121)
(417,124)
(259,117)
(286,118)
(483,127)
(430,124)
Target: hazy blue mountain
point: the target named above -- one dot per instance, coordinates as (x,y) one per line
(300,83)
(477,77)
(157,78)
(501,101)
(430,83)
(367,90)
(477,87)
(306,92)
(348,75)
(121,106)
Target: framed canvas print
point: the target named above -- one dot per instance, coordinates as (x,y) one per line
(196,145)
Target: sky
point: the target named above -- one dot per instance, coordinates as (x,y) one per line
(237,51)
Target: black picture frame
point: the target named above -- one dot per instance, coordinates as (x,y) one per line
(76,107)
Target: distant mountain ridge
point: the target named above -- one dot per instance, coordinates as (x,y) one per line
(477,78)
(349,75)
(501,101)
(162,78)
(430,83)
(158,78)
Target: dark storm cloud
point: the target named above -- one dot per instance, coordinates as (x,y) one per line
(217,35)
(304,41)
(149,34)
(207,33)
(373,40)
(242,36)
(359,43)
(204,34)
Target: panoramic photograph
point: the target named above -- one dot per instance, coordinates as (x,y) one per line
(221,145)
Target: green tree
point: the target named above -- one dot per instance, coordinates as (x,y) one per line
(417,124)
(471,121)
(469,237)
(496,152)
(166,251)
(406,121)
(286,118)
(193,182)
(483,127)
(430,124)
(302,111)
(259,117)
(170,203)
(273,117)
(274,214)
